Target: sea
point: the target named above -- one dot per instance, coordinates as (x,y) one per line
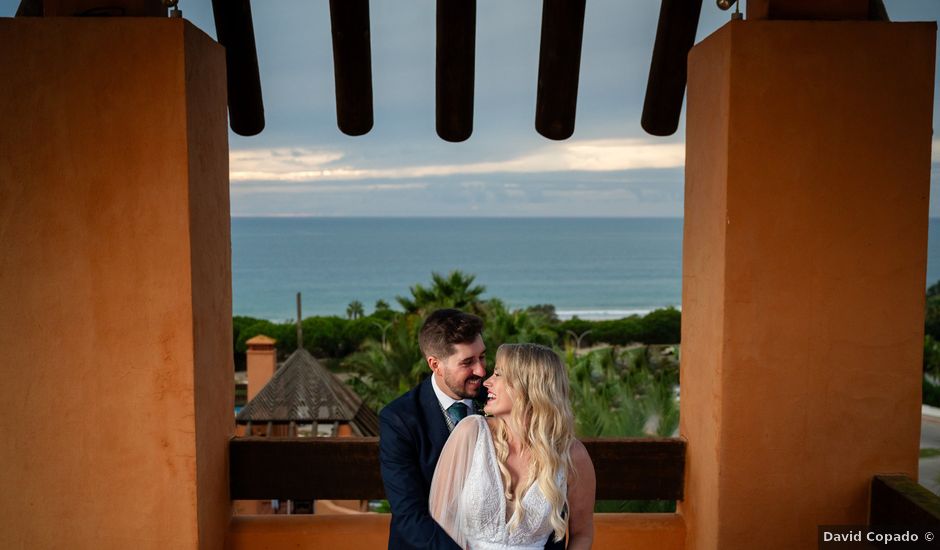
(594,268)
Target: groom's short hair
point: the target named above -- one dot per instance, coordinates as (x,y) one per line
(446,327)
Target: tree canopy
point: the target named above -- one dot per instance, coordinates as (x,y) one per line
(456,290)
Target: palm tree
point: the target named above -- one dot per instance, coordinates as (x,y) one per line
(616,394)
(355,310)
(521,325)
(456,290)
(383,372)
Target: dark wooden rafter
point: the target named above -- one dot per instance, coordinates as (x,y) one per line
(675,35)
(559,67)
(348,468)
(352,65)
(111,8)
(877,11)
(29,8)
(808,10)
(899,500)
(235,31)
(456,54)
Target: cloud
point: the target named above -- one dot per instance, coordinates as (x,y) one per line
(319,188)
(585,194)
(309,165)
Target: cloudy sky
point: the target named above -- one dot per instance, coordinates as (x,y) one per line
(302,165)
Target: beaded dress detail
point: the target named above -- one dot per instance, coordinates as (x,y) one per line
(467,495)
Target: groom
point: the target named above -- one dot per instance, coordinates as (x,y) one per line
(414,427)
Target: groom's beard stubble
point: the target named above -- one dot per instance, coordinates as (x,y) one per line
(471,388)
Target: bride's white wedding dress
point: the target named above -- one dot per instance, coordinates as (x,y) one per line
(467,495)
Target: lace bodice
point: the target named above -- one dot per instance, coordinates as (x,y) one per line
(475,507)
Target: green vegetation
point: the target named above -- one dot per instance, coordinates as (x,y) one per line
(634,506)
(456,291)
(355,310)
(335,338)
(931,387)
(381,350)
(622,393)
(624,385)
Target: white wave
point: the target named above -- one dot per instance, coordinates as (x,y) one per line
(600,314)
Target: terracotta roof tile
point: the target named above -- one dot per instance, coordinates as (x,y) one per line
(303,391)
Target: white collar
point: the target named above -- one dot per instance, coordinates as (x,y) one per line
(445,400)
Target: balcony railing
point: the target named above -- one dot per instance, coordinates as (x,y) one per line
(348,468)
(899,500)
(627,469)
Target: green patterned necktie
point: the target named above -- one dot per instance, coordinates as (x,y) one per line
(457,412)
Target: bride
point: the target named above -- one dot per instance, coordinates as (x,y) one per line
(519,478)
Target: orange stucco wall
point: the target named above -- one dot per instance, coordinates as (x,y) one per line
(115,330)
(703,282)
(211,269)
(370,531)
(807,180)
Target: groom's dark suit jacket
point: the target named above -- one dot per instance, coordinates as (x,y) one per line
(412,432)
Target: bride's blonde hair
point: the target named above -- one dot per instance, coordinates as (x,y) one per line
(541,420)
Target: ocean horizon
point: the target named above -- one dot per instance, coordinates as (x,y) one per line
(594,268)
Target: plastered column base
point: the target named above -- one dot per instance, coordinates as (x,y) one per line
(115,285)
(807,180)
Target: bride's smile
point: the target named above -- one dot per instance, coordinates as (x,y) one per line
(499,397)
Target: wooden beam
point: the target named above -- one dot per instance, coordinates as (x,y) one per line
(899,500)
(100,8)
(638,469)
(456,54)
(352,65)
(556,96)
(814,10)
(305,468)
(675,35)
(348,468)
(235,31)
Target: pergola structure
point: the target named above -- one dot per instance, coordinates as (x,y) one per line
(804,252)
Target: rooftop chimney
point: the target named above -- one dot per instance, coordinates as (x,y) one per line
(262,360)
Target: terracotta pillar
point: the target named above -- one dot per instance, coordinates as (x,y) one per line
(804,261)
(261,362)
(115,285)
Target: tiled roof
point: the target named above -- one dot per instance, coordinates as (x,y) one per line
(303,391)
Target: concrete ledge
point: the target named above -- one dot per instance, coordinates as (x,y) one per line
(317,531)
(630,531)
(612,531)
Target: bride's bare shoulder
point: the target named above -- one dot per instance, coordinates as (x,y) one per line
(579,456)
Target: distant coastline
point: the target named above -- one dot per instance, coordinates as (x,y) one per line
(593,268)
(605,314)
(563,314)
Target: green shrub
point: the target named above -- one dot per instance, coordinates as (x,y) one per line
(661,326)
(931,393)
